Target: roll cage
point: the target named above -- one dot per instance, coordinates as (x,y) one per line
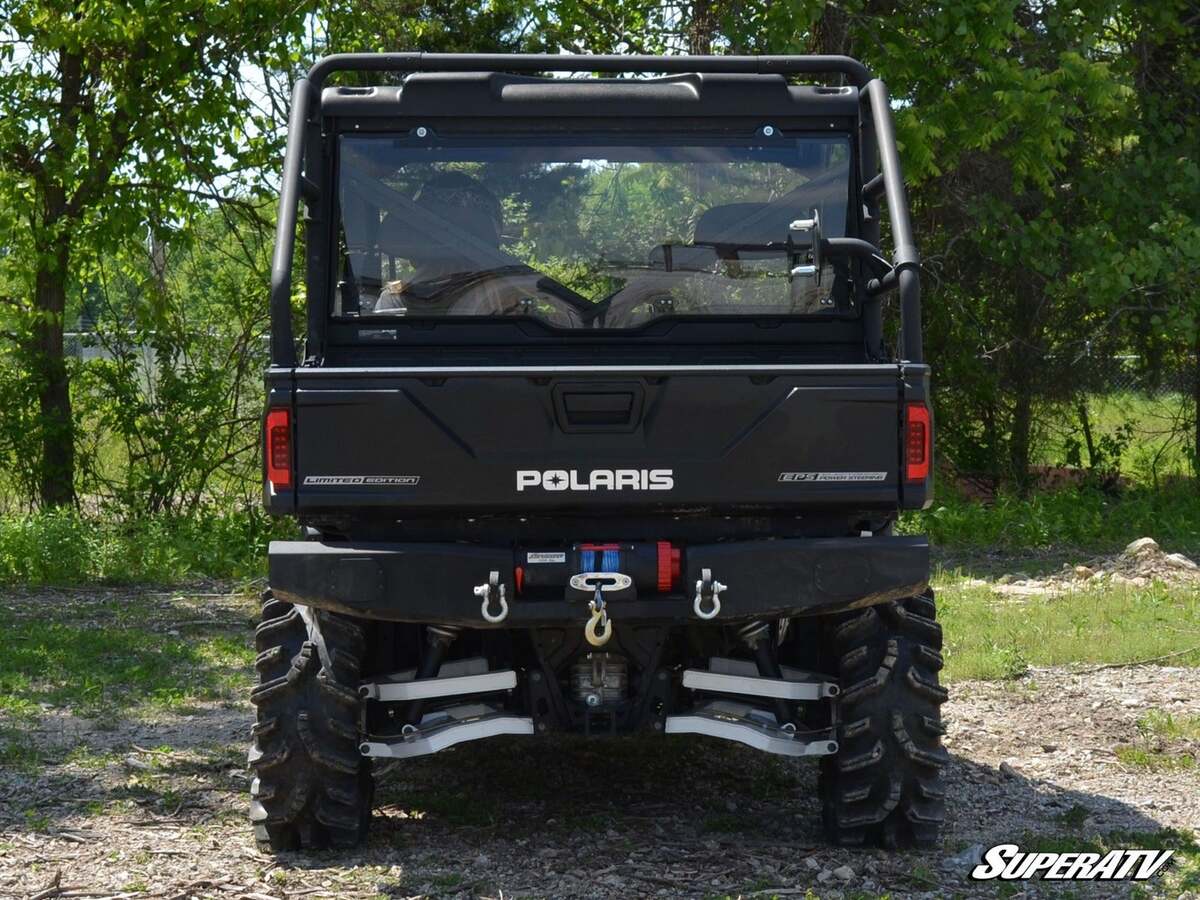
(878,160)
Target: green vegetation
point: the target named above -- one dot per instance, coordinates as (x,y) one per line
(1087,519)
(1165,743)
(108,658)
(1050,151)
(1159,724)
(989,636)
(1182,873)
(66,547)
(1155,760)
(1134,434)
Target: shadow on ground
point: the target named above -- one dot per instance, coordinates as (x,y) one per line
(550,817)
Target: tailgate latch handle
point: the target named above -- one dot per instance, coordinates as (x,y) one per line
(707,589)
(493,589)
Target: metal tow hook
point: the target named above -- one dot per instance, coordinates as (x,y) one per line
(707,589)
(598,629)
(493,588)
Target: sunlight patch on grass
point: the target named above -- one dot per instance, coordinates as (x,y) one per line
(992,637)
(1160,724)
(96,669)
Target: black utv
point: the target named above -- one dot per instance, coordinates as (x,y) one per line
(601,422)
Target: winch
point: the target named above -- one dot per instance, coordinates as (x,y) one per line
(600,679)
(653,567)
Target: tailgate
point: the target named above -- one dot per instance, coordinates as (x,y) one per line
(476,440)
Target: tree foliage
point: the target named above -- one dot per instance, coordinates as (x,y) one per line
(118,120)
(1051,150)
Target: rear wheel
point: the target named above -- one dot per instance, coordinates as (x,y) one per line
(884,785)
(312,788)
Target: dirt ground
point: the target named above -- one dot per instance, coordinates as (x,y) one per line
(139,806)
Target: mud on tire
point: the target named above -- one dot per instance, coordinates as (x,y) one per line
(884,785)
(311,789)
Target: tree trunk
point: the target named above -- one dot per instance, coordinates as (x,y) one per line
(54,389)
(1019,439)
(1196,407)
(1026,365)
(702,27)
(831,32)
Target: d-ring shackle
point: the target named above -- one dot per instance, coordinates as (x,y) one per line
(493,588)
(707,589)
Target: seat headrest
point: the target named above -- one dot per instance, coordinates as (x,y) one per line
(744,223)
(683,258)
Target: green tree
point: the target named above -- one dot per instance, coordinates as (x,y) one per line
(117,118)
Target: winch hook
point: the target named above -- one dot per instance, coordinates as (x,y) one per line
(599,629)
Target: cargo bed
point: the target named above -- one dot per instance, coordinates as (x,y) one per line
(588,438)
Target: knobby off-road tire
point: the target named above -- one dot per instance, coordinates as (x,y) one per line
(884,785)
(312,789)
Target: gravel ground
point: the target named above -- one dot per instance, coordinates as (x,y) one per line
(157,809)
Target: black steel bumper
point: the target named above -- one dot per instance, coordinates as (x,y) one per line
(435,582)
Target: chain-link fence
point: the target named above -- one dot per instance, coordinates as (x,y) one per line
(1136,374)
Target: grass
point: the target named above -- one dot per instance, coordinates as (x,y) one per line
(1083,518)
(1159,724)
(67,547)
(112,655)
(1155,760)
(992,637)
(1182,873)
(1165,743)
(1158,444)
(97,671)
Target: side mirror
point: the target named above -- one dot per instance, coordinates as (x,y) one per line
(804,240)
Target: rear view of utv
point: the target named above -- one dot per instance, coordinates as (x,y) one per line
(607,400)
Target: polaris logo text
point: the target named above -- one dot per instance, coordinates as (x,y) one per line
(1008,862)
(596,480)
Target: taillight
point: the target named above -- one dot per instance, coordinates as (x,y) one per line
(279,448)
(917,442)
(669,566)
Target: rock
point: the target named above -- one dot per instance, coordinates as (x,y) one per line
(1179,561)
(967,859)
(1007,770)
(1083,573)
(1049,748)
(1142,545)
(824,875)
(1004,579)
(811,862)
(731,806)
(843,873)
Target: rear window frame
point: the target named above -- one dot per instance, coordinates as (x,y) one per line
(424,330)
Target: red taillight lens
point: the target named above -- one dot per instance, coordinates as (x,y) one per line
(669,566)
(279,448)
(917,442)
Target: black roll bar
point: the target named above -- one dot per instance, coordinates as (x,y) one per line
(283,341)
(859,74)
(906,261)
(879,138)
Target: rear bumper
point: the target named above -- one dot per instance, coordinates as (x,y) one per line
(435,583)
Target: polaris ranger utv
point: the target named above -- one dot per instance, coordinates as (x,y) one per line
(601,425)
